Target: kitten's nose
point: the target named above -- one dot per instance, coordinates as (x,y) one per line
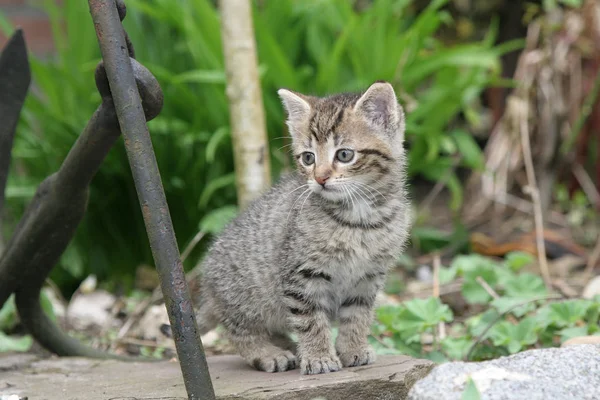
(321,179)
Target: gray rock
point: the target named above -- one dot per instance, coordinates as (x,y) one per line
(390,378)
(571,373)
(592,288)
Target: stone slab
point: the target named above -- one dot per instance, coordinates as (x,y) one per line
(390,378)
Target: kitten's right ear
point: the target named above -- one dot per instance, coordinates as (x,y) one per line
(295,104)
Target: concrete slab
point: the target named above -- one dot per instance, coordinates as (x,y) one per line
(390,378)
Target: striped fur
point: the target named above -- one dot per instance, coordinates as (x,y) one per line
(306,255)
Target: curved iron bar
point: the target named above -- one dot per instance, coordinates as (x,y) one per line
(56,210)
(15,78)
(138,144)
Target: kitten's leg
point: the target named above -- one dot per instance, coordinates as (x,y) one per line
(303,291)
(262,354)
(315,349)
(356,317)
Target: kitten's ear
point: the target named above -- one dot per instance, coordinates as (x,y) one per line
(379,107)
(296,105)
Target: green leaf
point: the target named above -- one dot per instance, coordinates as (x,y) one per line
(8,314)
(519,306)
(468,263)
(215,221)
(422,314)
(13,343)
(525,285)
(572,3)
(201,76)
(477,324)
(456,348)
(47,306)
(213,143)
(472,290)
(567,313)
(516,260)
(447,275)
(213,186)
(471,392)
(387,315)
(514,337)
(569,333)
(430,238)
(384,346)
(468,148)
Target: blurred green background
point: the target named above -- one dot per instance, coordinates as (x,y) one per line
(312,46)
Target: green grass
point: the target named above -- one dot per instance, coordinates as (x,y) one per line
(313,46)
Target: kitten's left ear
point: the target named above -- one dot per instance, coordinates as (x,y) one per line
(296,105)
(379,107)
(298,110)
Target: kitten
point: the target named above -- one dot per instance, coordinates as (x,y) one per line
(316,247)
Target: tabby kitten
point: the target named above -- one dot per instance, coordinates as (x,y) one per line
(316,247)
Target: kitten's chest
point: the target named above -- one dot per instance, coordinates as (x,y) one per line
(360,247)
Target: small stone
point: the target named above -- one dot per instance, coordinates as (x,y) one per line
(89,284)
(566,373)
(581,340)
(592,288)
(209,339)
(424,274)
(11,397)
(150,323)
(90,310)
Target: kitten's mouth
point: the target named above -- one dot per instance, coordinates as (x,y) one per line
(329,192)
(330,188)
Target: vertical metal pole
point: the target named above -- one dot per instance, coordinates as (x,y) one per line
(152,199)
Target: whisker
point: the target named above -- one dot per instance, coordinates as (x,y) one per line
(287,194)
(302,206)
(299,187)
(294,205)
(369,187)
(369,195)
(347,198)
(361,194)
(284,146)
(281,137)
(351,196)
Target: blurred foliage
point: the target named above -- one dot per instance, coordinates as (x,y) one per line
(520,316)
(9,321)
(312,46)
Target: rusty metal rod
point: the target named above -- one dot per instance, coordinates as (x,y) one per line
(152,199)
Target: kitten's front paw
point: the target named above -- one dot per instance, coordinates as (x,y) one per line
(278,362)
(355,357)
(319,365)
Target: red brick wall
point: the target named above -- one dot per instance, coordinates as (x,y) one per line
(32,20)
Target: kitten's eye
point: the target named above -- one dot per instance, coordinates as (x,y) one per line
(308,158)
(344,155)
